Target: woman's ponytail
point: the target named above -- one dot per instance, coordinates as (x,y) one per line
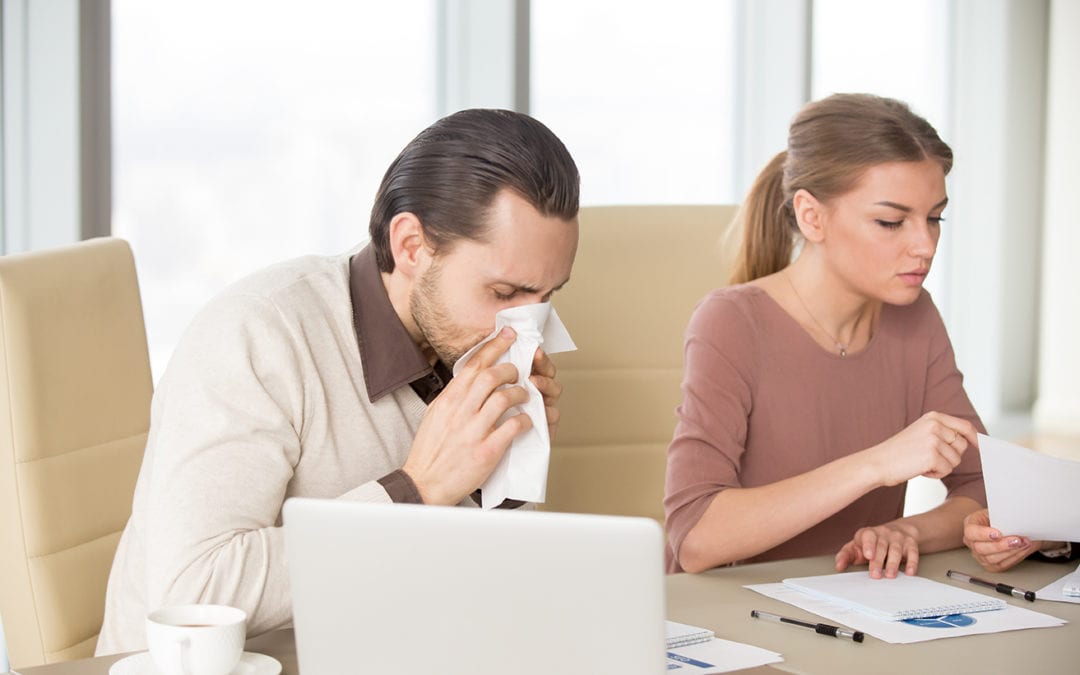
(765,224)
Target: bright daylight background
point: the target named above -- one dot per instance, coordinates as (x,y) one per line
(250,131)
(262,134)
(254,137)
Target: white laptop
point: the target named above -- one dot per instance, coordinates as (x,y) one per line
(394,588)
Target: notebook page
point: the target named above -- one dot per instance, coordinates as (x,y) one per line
(895,599)
(680,634)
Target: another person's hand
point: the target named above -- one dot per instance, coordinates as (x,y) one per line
(884,548)
(993,550)
(543,378)
(930,446)
(460,440)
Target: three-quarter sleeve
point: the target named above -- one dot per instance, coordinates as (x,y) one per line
(706,451)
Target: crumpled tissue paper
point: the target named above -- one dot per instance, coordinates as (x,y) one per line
(522,472)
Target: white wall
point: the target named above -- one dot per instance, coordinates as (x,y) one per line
(996,198)
(1057,409)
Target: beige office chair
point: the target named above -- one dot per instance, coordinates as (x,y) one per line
(75,391)
(639,272)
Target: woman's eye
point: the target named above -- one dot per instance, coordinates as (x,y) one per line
(891,224)
(504,296)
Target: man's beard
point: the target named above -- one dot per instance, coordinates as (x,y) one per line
(447,340)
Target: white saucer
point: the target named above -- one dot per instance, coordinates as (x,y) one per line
(250,664)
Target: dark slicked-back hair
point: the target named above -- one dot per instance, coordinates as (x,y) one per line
(449,175)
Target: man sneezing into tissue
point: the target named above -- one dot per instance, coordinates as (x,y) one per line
(348,377)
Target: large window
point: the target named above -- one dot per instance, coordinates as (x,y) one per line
(642,95)
(252,131)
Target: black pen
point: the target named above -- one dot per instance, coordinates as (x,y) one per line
(1000,588)
(822,628)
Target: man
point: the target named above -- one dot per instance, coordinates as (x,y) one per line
(330,377)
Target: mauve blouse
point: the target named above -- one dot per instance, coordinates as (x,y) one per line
(762,401)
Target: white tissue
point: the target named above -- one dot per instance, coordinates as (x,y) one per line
(522,472)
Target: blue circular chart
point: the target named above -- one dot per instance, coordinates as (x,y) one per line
(946,621)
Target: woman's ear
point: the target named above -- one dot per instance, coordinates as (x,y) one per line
(407,244)
(809,215)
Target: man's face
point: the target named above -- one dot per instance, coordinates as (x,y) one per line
(526,258)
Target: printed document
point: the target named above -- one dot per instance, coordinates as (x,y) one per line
(1056,590)
(717,656)
(910,630)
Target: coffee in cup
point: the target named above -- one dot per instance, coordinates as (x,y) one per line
(196,639)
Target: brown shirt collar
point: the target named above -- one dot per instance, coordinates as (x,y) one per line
(391,359)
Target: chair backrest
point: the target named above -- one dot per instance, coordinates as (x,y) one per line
(639,272)
(75,390)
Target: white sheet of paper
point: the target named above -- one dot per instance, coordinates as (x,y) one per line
(905,632)
(1030,494)
(1053,591)
(718,656)
(522,472)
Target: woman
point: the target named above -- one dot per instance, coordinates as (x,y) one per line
(997,552)
(814,390)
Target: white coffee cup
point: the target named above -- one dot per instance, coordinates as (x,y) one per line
(196,639)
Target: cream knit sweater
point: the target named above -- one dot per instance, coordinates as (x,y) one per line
(264,399)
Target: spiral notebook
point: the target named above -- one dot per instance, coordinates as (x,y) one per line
(683,635)
(895,599)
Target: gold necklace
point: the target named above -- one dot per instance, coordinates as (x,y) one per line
(839,345)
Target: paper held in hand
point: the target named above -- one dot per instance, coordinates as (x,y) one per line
(1029,493)
(522,473)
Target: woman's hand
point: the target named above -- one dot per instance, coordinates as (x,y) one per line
(930,446)
(994,551)
(884,547)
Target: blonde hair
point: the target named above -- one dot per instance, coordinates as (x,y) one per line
(831,142)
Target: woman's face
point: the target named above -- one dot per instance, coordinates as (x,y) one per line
(880,237)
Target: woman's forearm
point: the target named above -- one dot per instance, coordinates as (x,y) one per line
(743,522)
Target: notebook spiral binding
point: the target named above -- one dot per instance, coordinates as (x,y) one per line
(943,610)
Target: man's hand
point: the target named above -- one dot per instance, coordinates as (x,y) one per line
(460,440)
(543,378)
